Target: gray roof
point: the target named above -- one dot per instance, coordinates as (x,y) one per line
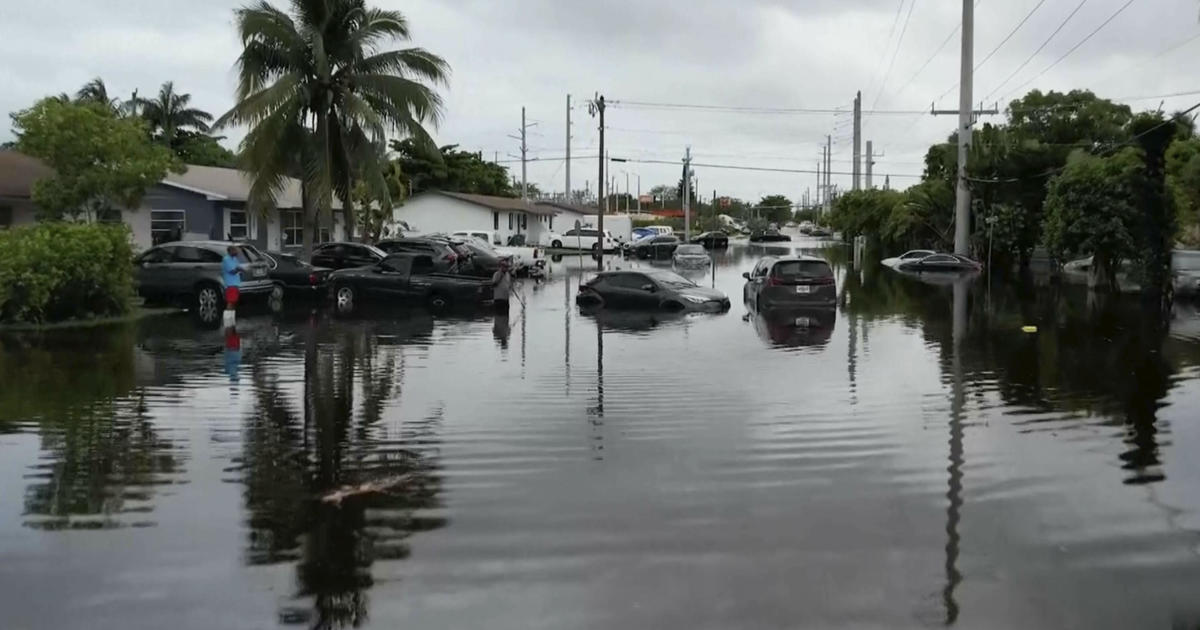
(228,184)
(589,210)
(497,203)
(18,172)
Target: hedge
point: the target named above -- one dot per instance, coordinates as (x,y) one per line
(58,271)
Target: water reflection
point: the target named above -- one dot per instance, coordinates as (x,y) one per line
(329,437)
(794,327)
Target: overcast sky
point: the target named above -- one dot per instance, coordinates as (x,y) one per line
(749,53)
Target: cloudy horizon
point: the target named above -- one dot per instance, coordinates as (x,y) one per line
(752,54)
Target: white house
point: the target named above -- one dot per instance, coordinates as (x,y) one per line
(437,211)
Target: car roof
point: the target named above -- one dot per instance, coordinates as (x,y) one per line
(206,244)
(796,258)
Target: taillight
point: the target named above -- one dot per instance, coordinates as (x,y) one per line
(825,280)
(774,281)
(312,278)
(451,257)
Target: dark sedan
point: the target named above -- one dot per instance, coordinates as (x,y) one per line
(657,248)
(346,255)
(768,236)
(712,240)
(941,263)
(406,278)
(296,276)
(649,290)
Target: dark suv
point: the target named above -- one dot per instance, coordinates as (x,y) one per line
(781,282)
(448,255)
(189,273)
(345,255)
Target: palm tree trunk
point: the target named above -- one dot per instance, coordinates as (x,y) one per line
(310,220)
(348,212)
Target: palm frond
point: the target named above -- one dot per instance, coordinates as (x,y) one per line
(409,62)
(398,98)
(255,107)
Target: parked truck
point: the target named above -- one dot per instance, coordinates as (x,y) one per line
(406,279)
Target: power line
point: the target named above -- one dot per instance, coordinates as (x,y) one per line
(1039,49)
(998,46)
(1073,48)
(895,53)
(933,56)
(758,168)
(887,42)
(752,109)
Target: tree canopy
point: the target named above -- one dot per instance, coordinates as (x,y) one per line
(450,169)
(101,160)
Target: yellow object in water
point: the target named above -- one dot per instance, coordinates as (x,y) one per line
(1029,329)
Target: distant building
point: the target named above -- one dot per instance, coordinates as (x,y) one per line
(204,202)
(438,211)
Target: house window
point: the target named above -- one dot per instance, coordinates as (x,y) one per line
(239,226)
(6,214)
(293,229)
(323,235)
(510,221)
(524,221)
(108,215)
(167,226)
(551,218)
(495,220)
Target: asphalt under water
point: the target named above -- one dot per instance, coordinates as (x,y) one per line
(911,458)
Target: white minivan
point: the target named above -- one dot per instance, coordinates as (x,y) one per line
(662,230)
(585,238)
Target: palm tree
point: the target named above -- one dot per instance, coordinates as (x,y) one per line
(95,91)
(320,91)
(168,114)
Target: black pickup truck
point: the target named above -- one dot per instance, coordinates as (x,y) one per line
(406,278)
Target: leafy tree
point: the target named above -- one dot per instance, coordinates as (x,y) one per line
(202,149)
(691,191)
(776,208)
(665,192)
(863,212)
(924,217)
(1183,177)
(320,91)
(1091,210)
(101,161)
(449,169)
(169,115)
(1155,204)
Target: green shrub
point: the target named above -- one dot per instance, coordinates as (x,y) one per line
(56,271)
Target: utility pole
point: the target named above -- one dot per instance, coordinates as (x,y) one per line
(871,155)
(568,198)
(687,193)
(639,202)
(820,182)
(524,152)
(828,179)
(962,196)
(626,192)
(857,170)
(597,106)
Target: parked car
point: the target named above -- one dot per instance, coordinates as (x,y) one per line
(1185,273)
(940,263)
(820,232)
(627,248)
(638,233)
(406,278)
(661,230)
(649,290)
(345,255)
(690,255)
(296,276)
(712,240)
(806,227)
(522,257)
(911,255)
(657,248)
(446,255)
(490,237)
(585,238)
(189,273)
(789,282)
(768,236)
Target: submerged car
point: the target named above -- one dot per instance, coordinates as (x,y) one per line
(296,276)
(657,248)
(345,255)
(189,273)
(649,290)
(788,282)
(406,279)
(712,240)
(941,263)
(908,256)
(691,255)
(768,236)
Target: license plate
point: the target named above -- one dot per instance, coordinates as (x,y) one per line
(804,322)
(803,288)
(260,273)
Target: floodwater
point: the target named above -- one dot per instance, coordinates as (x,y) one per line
(911,458)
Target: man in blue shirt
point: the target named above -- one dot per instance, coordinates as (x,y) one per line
(231,270)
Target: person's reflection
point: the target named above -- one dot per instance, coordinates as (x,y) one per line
(500,330)
(233,353)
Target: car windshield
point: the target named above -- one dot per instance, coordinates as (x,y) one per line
(1186,261)
(802,269)
(375,250)
(671,279)
(690,250)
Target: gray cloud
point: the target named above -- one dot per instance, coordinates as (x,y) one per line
(532,53)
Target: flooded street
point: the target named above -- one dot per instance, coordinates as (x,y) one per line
(910,458)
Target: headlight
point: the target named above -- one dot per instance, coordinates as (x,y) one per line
(695,299)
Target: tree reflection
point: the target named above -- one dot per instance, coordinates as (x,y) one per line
(296,454)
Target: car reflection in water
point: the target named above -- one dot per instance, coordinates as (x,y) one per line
(635,321)
(794,327)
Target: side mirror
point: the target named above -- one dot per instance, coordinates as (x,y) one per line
(649,287)
(746,275)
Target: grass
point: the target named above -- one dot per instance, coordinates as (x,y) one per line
(135,314)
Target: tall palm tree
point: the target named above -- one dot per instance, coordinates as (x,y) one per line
(95,91)
(168,114)
(320,90)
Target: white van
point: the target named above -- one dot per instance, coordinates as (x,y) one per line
(661,230)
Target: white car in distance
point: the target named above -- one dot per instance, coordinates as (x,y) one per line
(585,238)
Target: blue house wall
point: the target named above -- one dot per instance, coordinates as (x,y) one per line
(201,215)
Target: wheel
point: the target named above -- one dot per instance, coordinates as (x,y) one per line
(596,247)
(208,303)
(438,302)
(556,244)
(275,298)
(343,299)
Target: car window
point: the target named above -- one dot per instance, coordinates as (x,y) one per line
(671,279)
(627,280)
(571,232)
(920,253)
(189,254)
(398,264)
(940,258)
(689,249)
(422,264)
(157,255)
(802,269)
(247,253)
(1186,261)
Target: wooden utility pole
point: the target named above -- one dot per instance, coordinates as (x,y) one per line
(597,107)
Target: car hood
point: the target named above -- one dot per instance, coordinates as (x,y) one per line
(703,292)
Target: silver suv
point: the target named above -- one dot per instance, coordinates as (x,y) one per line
(189,273)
